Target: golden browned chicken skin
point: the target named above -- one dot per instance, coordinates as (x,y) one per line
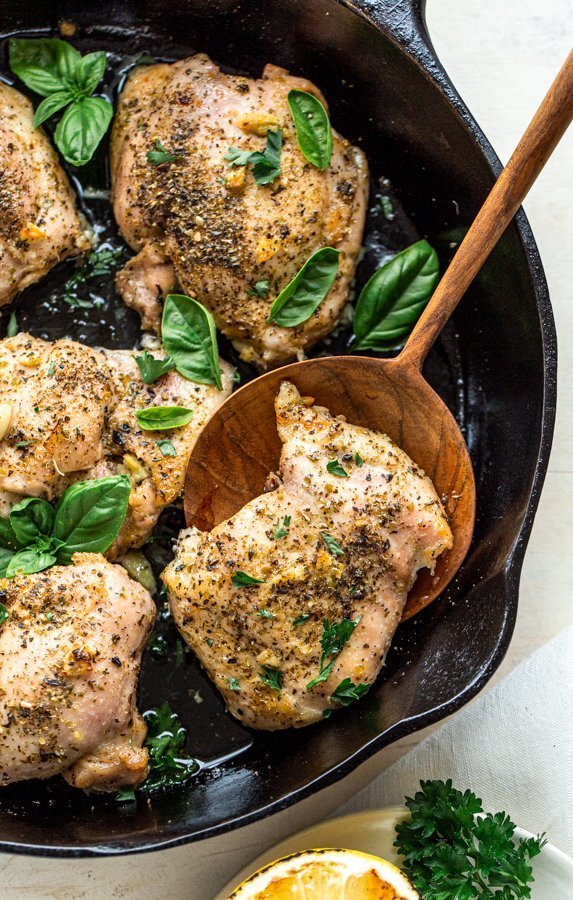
(70,652)
(39,222)
(67,413)
(208,225)
(350,551)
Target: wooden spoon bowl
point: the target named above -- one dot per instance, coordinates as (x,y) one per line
(240,445)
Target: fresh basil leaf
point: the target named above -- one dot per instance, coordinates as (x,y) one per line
(391,302)
(313,130)
(7,537)
(81,129)
(29,561)
(162,418)
(13,327)
(4,614)
(152,368)
(160,155)
(30,519)
(190,338)
(90,514)
(45,65)
(5,557)
(303,295)
(51,105)
(241,579)
(167,448)
(88,73)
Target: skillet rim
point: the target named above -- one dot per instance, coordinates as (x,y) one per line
(404,25)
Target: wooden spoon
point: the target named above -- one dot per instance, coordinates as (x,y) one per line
(240,446)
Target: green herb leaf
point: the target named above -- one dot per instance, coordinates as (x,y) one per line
(272,677)
(30,519)
(234,684)
(190,338)
(303,295)
(334,638)
(266,165)
(45,65)
(160,155)
(81,129)
(332,545)
(300,620)
(152,368)
(13,327)
(167,448)
(100,262)
(157,645)
(4,614)
(162,418)
(259,289)
(392,301)
(266,614)
(88,73)
(51,105)
(165,740)
(90,514)
(282,530)
(5,557)
(313,130)
(29,561)
(335,468)
(450,850)
(347,692)
(241,579)
(358,460)
(7,537)
(125,796)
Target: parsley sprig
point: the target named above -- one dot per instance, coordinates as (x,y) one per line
(335,636)
(266,166)
(451,852)
(165,740)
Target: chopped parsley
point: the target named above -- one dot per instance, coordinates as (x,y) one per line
(335,468)
(100,262)
(241,579)
(282,530)
(165,740)
(159,155)
(266,166)
(151,368)
(13,327)
(126,795)
(157,645)
(266,614)
(358,460)
(347,692)
(3,613)
(259,289)
(234,684)
(273,678)
(300,620)
(167,448)
(332,545)
(334,638)
(51,369)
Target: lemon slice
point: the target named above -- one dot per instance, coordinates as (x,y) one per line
(327,875)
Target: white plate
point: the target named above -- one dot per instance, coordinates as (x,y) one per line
(374,832)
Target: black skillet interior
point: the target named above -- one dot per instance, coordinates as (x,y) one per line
(494,365)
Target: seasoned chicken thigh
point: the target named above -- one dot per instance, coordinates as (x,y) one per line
(39,222)
(67,412)
(70,652)
(292,603)
(196,219)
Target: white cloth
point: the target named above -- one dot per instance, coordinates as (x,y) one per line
(513,747)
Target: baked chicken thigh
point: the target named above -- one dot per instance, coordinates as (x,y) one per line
(196,219)
(292,603)
(70,652)
(39,222)
(67,413)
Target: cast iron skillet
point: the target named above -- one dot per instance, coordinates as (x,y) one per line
(495,366)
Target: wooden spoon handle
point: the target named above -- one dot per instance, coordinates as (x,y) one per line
(534,149)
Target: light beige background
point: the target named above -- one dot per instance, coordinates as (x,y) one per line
(502,56)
